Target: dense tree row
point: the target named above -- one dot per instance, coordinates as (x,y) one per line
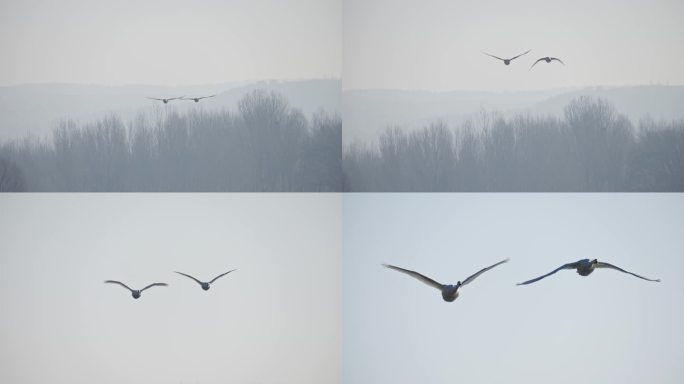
(593,148)
(264,146)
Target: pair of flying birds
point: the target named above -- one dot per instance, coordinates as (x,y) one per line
(508,61)
(195,99)
(583,267)
(137,292)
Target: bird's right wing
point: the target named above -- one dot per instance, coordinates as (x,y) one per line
(186,275)
(535,63)
(496,57)
(566,266)
(606,265)
(176,98)
(481,271)
(528,51)
(221,275)
(153,98)
(416,275)
(557,59)
(118,282)
(206,97)
(155,284)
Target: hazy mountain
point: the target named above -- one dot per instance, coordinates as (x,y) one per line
(368,112)
(37,108)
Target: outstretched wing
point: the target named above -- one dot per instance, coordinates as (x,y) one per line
(606,265)
(528,51)
(416,275)
(186,275)
(154,98)
(535,63)
(205,97)
(483,270)
(223,274)
(175,98)
(496,57)
(120,283)
(154,284)
(557,59)
(566,266)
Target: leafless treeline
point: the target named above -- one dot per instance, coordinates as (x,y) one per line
(265,146)
(594,148)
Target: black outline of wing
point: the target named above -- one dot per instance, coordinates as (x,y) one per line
(424,279)
(528,51)
(155,284)
(120,283)
(186,275)
(601,264)
(557,59)
(565,266)
(496,57)
(221,275)
(538,60)
(483,270)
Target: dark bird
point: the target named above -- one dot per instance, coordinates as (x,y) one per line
(548,60)
(585,267)
(449,292)
(166,101)
(507,61)
(197,99)
(204,285)
(135,292)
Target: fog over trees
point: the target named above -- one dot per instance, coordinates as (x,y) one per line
(592,148)
(265,145)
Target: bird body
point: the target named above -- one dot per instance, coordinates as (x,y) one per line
(507,61)
(136,293)
(197,99)
(449,291)
(585,267)
(203,284)
(166,101)
(548,60)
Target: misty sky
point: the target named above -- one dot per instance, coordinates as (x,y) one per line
(168,42)
(608,327)
(438,44)
(274,320)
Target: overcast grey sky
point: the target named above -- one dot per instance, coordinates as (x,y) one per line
(608,327)
(168,42)
(438,44)
(275,320)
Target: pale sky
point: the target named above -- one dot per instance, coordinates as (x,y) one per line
(275,320)
(168,42)
(437,44)
(608,327)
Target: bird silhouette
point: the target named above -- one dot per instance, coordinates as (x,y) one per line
(197,99)
(166,101)
(507,61)
(203,284)
(585,267)
(449,292)
(135,292)
(548,60)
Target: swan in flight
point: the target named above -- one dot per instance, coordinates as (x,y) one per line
(135,292)
(197,99)
(449,292)
(507,61)
(203,284)
(548,60)
(585,267)
(166,101)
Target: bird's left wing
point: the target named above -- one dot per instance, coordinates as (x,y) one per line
(416,275)
(557,59)
(206,97)
(606,265)
(483,270)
